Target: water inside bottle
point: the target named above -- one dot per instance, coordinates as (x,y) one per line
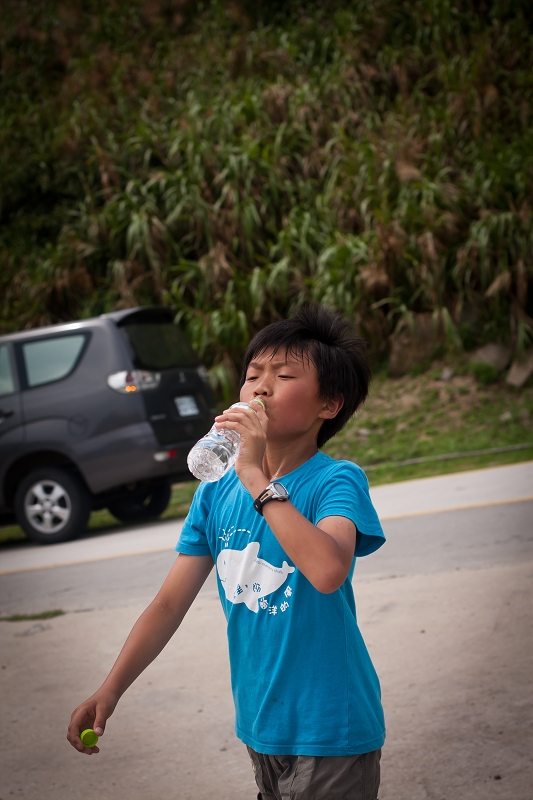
(213,455)
(206,465)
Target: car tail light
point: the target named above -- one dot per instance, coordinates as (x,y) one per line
(165,455)
(135,380)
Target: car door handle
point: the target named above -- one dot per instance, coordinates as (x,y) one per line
(4,414)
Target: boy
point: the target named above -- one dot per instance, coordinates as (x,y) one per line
(283,529)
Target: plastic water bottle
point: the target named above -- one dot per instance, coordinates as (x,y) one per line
(216,452)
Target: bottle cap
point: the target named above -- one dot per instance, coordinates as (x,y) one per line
(261,403)
(89,737)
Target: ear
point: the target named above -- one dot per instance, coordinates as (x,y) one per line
(331,408)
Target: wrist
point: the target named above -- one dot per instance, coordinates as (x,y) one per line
(254,480)
(111,692)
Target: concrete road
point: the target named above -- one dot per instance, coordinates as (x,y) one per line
(444,608)
(466,490)
(471,538)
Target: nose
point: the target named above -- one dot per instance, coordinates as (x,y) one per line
(262,388)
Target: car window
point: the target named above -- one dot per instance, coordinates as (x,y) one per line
(49,360)
(7,381)
(159,345)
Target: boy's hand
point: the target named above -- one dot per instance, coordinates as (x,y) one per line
(252,425)
(93,713)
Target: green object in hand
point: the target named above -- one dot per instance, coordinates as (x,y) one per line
(89,737)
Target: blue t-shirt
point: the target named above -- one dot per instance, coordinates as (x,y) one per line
(302,679)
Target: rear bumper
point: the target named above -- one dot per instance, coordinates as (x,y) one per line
(128,456)
(172,470)
(175,467)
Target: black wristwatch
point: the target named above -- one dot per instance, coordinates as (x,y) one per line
(274,491)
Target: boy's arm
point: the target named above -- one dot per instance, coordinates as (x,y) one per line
(148,637)
(323,552)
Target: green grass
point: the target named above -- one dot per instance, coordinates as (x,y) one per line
(484,373)
(182,494)
(411,417)
(391,474)
(417,417)
(56,612)
(9,534)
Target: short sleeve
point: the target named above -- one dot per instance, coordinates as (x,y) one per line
(345,493)
(193,537)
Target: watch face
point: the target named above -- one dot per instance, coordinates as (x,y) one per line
(279,489)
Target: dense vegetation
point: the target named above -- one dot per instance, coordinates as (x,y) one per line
(232,159)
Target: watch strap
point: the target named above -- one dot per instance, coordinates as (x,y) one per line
(270,493)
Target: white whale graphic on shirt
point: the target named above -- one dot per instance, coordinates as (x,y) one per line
(246,578)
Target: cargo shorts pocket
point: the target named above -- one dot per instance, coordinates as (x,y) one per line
(336,777)
(262,782)
(372,764)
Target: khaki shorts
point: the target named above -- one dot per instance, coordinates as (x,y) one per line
(315,777)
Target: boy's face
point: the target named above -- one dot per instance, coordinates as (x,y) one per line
(289,388)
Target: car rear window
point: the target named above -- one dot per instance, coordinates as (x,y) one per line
(7,383)
(51,359)
(159,345)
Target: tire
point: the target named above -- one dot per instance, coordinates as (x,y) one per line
(141,504)
(52,505)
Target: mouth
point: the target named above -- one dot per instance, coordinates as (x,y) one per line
(260,402)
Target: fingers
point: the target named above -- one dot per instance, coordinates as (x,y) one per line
(90,750)
(251,423)
(79,719)
(87,715)
(73,736)
(99,722)
(257,401)
(258,407)
(248,417)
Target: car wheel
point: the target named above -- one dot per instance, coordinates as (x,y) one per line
(141,504)
(52,505)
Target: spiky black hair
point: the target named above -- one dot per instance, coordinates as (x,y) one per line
(327,340)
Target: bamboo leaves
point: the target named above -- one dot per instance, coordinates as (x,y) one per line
(375,156)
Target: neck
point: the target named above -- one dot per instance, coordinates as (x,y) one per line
(280,459)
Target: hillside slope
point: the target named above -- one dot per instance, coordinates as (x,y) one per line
(231,163)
